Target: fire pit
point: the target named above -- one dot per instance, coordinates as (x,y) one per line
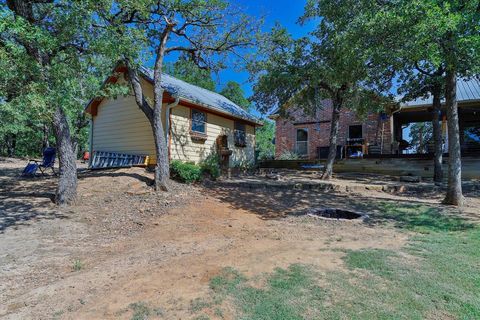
(334,213)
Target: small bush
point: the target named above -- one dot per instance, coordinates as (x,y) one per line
(185,172)
(211,166)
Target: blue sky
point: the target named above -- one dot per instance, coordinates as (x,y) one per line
(286,12)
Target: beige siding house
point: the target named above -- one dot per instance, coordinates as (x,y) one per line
(201,123)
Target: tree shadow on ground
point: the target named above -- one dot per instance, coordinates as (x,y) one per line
(114,173)
(410,215)
(25,199)
(15,213)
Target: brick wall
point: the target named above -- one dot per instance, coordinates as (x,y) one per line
(318,127)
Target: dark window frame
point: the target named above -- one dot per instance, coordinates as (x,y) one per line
(192,122)
(240,134)
(357,127)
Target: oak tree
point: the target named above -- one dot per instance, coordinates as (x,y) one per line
(208,32)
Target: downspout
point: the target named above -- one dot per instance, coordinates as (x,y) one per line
(167,121)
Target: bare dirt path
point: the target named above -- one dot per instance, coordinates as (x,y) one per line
(130,245)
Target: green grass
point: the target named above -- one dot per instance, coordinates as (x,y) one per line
(376,260)
(419,218)
(439,277)
(77,265)
(436,275)
(198,304)
(287,293)
(141,311)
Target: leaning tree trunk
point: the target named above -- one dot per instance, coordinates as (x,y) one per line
(67,183)
(437,136)
(454,189)
(332,151)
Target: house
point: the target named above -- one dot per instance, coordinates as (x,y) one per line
(376,135)
(197,123)
(308,136)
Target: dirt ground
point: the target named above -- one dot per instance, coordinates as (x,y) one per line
(122,243)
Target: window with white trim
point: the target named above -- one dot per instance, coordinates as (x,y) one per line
(301,146)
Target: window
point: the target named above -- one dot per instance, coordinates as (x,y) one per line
(240,134)
(198,121)
(355,132)
(471,136)
(301,147)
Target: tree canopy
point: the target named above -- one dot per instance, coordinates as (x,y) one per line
(303,72)
(234,92)
(425,46)
(186,70)
(207,32)
(264,141)
(49,53)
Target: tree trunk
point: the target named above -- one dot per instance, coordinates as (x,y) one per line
(67,183)
(45,143)
(154,116)
(162,168)
(332,151)
(11,144)
(454,189)
(437,135)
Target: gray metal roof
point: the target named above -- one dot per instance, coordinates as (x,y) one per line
(468,90)
(204,97)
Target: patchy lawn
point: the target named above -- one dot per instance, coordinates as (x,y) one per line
(434,276)
(125,252)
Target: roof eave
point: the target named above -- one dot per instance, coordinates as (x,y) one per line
(216,110)
(428,105)
(255,123)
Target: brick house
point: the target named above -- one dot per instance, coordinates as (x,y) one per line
(381,135)
(308,135)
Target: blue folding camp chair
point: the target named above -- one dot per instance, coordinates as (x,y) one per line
(48,161)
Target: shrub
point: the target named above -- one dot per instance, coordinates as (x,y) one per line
(211,166)
(289,155)
(185,172)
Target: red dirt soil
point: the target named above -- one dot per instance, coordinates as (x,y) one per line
(136,245)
